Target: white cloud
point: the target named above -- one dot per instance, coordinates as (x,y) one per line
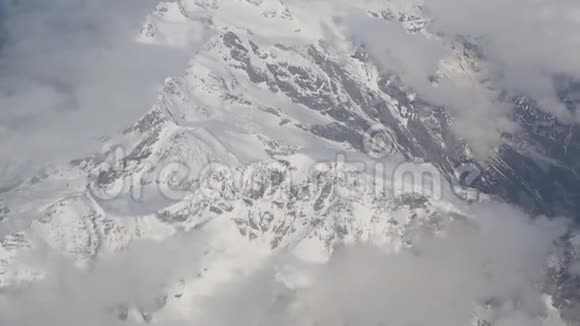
(95,295)
(416,59)
(499,257)
(71,72)
(528,42)
(493,265)
(525,45)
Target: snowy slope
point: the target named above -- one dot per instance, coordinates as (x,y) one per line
(259,143)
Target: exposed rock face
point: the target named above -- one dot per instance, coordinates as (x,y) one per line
(242,128)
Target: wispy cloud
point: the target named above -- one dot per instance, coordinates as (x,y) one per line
(71,72)
(527,42)
(524,46)
(137,279)
(493,265)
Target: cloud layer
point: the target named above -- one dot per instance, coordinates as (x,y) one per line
(525,47)
(137,279)
(71,72)
(528,42)
(492,267)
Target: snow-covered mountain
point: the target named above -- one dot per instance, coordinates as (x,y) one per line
(283,136)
